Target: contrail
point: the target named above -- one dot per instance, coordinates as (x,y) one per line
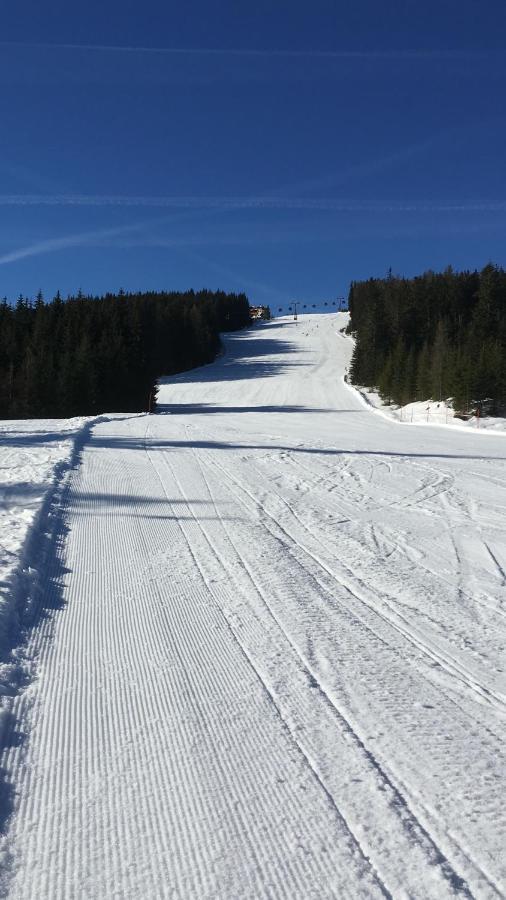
(268,289)
(196,203)
(72,240)
(252,52)
(366,168)
(268,202)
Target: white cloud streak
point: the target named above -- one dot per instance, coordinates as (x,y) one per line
(268,202)
(252,52)
(366,168)
(72,240)
(245,283)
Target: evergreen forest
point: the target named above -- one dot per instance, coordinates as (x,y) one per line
(436,336)
(87,355)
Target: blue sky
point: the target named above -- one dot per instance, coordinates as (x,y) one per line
(281,148)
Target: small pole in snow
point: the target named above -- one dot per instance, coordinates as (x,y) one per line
(150,402)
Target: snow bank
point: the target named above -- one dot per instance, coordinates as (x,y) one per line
(427,412)
(424,412)
(35,457)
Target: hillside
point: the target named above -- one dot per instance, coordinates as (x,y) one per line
(268,652)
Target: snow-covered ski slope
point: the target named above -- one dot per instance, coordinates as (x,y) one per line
(270,650)
(35,459)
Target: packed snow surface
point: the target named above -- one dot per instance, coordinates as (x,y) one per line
(267,657)
(35,456)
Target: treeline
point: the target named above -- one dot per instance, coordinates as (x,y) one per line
(88,355)
(432,337)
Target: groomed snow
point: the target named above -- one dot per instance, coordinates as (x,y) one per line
(35,457)
(269,650)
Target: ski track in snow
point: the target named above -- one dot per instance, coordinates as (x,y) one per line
(268,650)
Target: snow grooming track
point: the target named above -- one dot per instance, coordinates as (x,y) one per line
(414,839)
(277,669)
(33,589)
(388,809)
(221,594)
(361,592)
(142,776)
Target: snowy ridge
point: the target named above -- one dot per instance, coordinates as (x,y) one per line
(276,660)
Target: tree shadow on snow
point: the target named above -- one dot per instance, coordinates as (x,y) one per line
(191,409)
(141,506)
(120,443)
(244,357)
